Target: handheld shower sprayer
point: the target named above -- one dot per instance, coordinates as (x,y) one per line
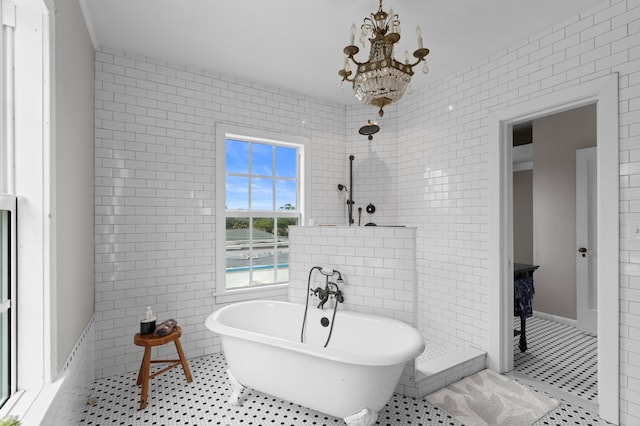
(341,188)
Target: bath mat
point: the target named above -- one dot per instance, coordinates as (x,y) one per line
(488,398)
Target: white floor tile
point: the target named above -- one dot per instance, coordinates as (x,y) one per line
(173,401)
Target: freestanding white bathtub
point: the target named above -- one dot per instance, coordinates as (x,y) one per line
(352,378)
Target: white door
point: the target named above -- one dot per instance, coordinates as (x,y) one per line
(586,255)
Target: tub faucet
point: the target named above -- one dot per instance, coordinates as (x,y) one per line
(324,293)
(330,287)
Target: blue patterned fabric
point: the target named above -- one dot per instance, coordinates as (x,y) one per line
(523,292)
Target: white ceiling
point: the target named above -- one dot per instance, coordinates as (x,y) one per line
(297,44)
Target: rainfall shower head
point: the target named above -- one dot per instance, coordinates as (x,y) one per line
(369,129)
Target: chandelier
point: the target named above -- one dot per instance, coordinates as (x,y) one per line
(381,80)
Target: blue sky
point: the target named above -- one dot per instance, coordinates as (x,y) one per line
(272,168)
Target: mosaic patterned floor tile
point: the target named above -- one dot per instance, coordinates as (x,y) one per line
(173,401)
(559,355)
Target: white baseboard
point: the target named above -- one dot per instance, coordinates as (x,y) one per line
(67,395)
(62,401)
(556,318)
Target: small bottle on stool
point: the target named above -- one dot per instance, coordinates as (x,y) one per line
(148,324)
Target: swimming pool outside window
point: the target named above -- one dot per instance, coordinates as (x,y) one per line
(262,198)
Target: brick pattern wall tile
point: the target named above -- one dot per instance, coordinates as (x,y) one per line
(441,154)
(377,264)
(155,190)
(427,168)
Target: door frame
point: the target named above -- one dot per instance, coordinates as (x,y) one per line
(603,92)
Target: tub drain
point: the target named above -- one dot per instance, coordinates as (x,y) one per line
(324,321)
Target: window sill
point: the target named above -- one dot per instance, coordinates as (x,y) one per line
(230,296)
(18,404)
(31,406)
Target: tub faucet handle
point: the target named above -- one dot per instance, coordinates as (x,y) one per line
(324,296)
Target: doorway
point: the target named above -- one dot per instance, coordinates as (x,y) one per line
(553,188)
(604,93)
(586,240)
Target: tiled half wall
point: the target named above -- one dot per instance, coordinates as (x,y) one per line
(378,265)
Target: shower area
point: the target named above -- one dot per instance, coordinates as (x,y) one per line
(378,276)
(372,242)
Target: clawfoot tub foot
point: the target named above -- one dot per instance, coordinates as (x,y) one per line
(236,389)
(365,417)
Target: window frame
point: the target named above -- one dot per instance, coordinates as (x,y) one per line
(28,162)
(224,132)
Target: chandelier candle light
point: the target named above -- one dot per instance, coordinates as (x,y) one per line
(381,80)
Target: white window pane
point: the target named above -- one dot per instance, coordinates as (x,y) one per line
(261,194)
(4,255)
(286,196)
(263,251)
(5,337)
(4,357)
(261,159)
(286,162)
(282,248)
(237,157)
(237,193)
(237,252)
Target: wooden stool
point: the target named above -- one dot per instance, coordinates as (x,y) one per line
(149,340)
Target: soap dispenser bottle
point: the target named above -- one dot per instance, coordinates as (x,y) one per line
(148,324)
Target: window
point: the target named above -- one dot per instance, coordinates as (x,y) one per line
(7,290)
(7,208)
(25,161)
(261,184)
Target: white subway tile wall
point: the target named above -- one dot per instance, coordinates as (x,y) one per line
(155,190)
(427,168)
(377,264)
(442,171)
(375,168)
